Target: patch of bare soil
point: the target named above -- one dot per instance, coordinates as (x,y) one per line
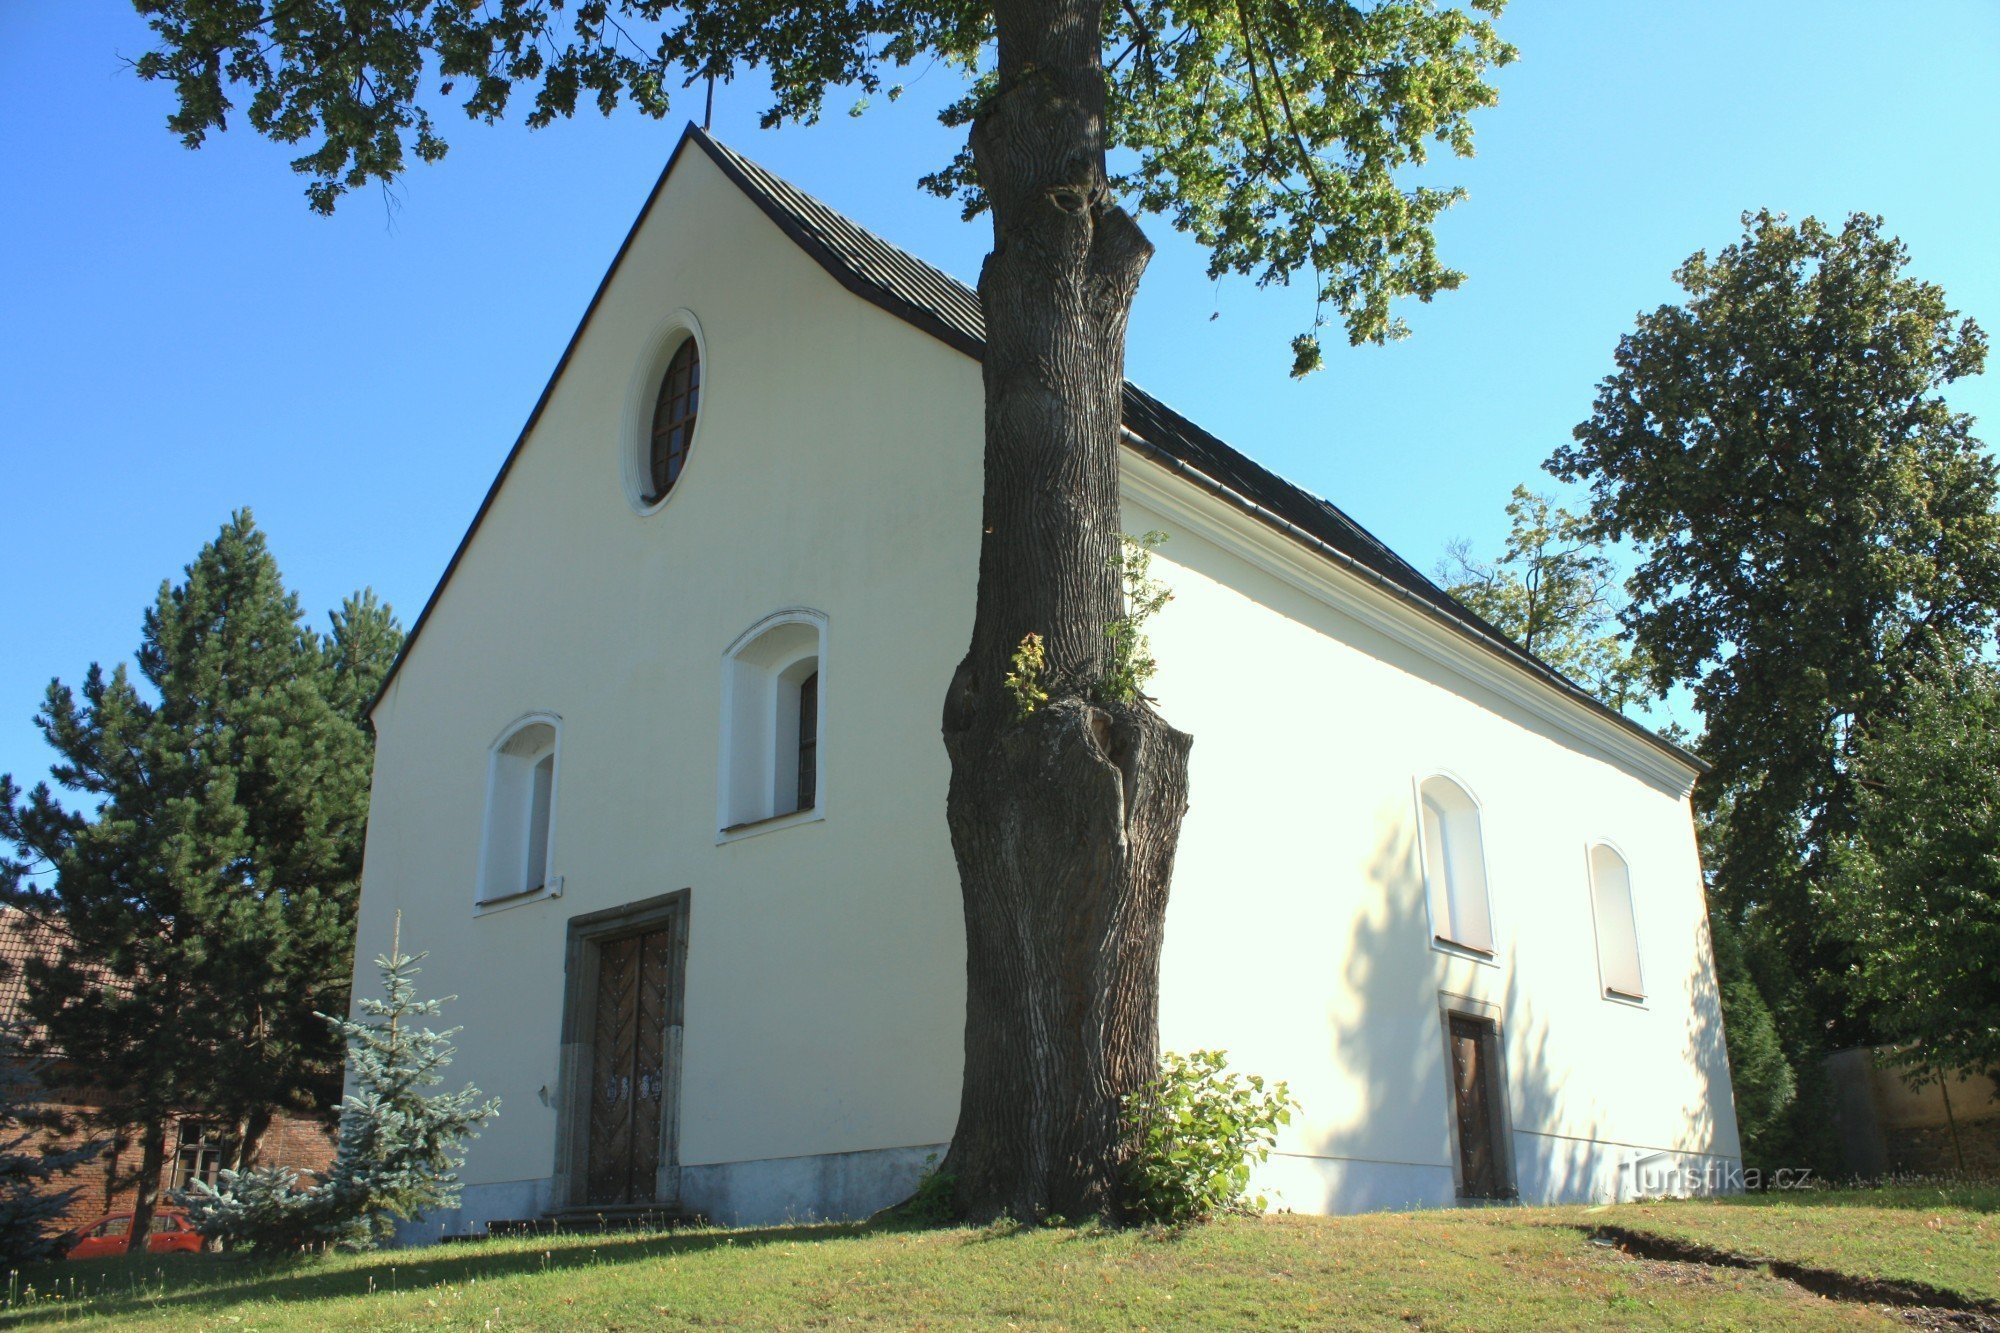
(1915,1303)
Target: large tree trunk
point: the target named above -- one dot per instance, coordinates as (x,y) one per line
(146,1200)
(248,1148)
(1064,821)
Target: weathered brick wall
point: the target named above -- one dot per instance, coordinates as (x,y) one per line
(93,1181)
(304,1145)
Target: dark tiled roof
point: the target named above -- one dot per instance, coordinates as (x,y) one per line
(21,938)
(946,308)
(943,306)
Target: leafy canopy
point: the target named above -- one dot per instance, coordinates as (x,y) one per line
(1918,884)
(1813,518)
(1816,526)
(1552,591)
(1276,132)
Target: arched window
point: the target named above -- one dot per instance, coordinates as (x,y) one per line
(518,850)
(1617,926)
(1454,866)
(673,420)
(773,722)
(808,741)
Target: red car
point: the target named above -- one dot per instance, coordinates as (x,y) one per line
(105,1238)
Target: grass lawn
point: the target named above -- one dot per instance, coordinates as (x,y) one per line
(1941,1235)
(1489,1268)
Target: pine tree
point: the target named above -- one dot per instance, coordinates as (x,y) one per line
(400,1146)
(208,897)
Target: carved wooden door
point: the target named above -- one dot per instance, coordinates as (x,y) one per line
(1472,1052)
(628,1083)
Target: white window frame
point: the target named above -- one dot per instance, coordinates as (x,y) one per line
(750,772)
(1439,940)
(635,428)
(552,884)
(1605,989)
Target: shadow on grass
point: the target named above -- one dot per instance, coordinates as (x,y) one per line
(128,1285)
(1971,1195)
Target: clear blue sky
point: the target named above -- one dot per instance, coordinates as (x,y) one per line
(181,337)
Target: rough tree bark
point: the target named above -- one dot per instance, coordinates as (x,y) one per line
(1064,821)
(247,1149)
(146,1201)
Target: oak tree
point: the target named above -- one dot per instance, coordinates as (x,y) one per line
(1917,885)
(1280,134)
(1816,527)
(1554,591)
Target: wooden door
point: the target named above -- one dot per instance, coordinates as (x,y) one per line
(628,1076)
(1473,1056)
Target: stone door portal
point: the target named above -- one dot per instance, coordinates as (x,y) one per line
(619,1083)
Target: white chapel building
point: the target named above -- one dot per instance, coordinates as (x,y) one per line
(659,784)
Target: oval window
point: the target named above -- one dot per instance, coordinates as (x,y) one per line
(673,421)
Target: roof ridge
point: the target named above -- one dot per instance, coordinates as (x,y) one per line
(748,165)
(926,297)
(954,316)
(765,178)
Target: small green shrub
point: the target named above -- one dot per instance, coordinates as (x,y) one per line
(1132,661)
(1197,1132)
(935,1199)
(263,1209)
(1024,682)
(400,1147)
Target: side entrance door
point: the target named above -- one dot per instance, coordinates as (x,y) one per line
(1475,1082)
(624,996)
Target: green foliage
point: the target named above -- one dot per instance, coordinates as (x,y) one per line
(1278,133)
(1917,886)
(206,865)
(1816,526)
(935,1199)
(1762,1076)
(1553,592)
(400,1145)
(262,1209)
(32,1196)
(1197,1132)
(1132,663)
(1024,682)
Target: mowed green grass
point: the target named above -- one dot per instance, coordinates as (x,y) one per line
(1943,1235)
(1486,1268)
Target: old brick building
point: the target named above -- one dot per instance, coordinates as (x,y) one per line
(196,1147)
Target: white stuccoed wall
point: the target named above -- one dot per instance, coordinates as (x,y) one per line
(1298,937)
(837,467)
(832,469)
